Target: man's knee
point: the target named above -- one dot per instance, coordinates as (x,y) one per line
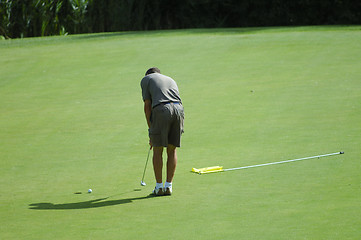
(157,151)
(171,149)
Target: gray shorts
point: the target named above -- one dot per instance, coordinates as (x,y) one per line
(167,125)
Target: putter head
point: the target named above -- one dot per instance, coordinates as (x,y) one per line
(142,183)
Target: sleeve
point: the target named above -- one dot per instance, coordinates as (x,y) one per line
(145,89)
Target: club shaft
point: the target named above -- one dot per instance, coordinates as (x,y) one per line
(146,163)
(293,160)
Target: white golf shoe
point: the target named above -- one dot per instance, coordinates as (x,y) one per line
(158,192)
(168,191)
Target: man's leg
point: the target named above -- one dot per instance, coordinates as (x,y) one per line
(158,163)
(171,162)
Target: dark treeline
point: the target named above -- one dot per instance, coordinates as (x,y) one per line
(29,18)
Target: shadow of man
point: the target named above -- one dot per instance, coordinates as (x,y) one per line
(83,205)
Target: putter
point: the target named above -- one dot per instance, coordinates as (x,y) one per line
(142,183)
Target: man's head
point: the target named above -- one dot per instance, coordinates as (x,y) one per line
(152,70)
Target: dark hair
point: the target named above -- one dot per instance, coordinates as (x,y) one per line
(152,70)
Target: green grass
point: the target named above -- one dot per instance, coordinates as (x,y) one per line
(72,119)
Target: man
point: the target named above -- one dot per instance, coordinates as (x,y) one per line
(165,115)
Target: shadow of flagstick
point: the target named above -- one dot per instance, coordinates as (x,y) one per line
(100,202)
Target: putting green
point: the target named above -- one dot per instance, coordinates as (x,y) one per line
(72,119)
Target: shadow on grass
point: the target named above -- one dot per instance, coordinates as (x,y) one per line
(240,30)
(165,31)
(100,202)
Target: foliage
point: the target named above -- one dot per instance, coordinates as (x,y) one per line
(27,18)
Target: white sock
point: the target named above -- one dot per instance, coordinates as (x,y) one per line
(168,185)
(159,185)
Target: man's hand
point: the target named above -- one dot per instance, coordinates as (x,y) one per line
(150,144)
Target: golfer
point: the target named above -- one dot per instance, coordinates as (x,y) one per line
(165,115)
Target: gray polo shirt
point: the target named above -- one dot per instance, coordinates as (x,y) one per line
(159,89)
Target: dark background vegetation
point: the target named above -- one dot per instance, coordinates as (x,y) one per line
(31,18)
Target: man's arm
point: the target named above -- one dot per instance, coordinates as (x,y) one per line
(148,110)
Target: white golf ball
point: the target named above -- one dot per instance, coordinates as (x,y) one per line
(89,190)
